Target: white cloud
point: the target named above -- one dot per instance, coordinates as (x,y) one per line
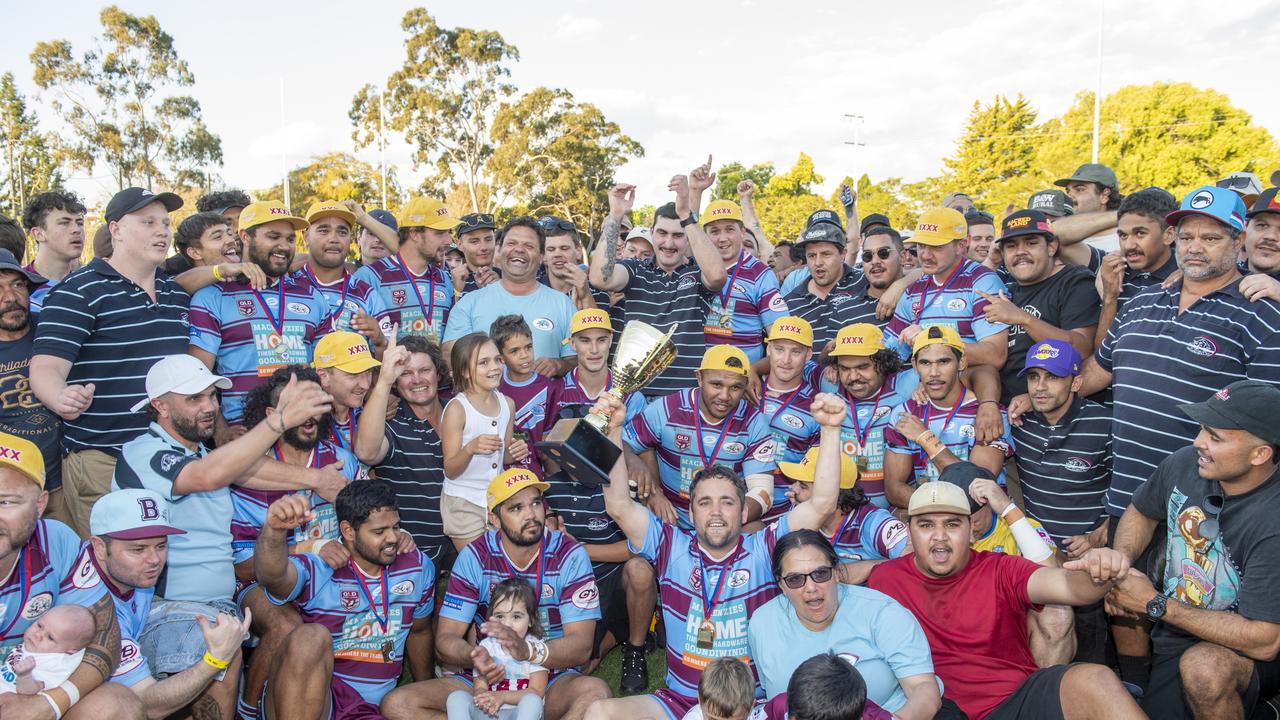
(572,27)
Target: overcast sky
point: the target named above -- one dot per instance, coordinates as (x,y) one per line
(750,80)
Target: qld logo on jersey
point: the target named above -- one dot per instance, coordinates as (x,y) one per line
(349,599)
(399,295)
(245,306)
(683,441)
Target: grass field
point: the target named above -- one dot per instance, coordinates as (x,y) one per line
(611,668)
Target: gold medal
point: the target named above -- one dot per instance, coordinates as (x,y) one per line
(706,635)
(863,464)
(726,319)
(387,648)
(277,343)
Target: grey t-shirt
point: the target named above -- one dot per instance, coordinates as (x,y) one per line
(1238,570)
(21,414)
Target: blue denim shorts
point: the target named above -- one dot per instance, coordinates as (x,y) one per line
(171,640)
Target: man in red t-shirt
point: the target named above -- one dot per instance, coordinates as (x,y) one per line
(973,608)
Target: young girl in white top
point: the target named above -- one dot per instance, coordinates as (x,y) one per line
(475,435)
(518,696)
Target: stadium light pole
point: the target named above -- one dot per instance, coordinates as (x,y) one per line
(1097,90)
(382,148)
(284,160)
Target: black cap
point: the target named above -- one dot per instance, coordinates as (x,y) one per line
(475,221)
(822,232)
(1094,173)
(135,198)
(871,221)
(826,217)
(1251,405)
(1053,203)
(1025,222)
(9,262)
(1266,202)
(978,217)
(963,473)
(385,217)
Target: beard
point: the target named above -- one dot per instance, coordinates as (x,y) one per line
(189,428)
(293,436)
(372,554)
(18,310)
(525,538)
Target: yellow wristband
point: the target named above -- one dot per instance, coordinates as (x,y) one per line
(217,273)
(214,662)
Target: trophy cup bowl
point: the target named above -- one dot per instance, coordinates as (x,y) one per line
(580,445)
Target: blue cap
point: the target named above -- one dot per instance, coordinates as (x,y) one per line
(1214,203)
(1055,356)
(385,217)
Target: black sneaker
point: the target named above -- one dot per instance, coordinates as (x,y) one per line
(635,671)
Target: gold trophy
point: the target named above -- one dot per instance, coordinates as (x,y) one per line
(580,445)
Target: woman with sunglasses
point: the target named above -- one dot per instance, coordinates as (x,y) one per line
(817,614)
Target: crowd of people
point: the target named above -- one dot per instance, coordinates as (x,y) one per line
(267,465)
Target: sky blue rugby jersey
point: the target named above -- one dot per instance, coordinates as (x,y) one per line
(420,304)
(955,302)
(369,617)
(252,334)
(742,311)
(672,426)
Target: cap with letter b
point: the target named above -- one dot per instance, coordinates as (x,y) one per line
(131,514)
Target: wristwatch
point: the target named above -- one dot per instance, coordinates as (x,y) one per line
(693,218)
(1157,606)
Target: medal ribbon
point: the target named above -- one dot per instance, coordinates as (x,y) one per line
(709,604)
(724,431)
(342,304)
(429,307)
(928,411)
(785,404)
(728,286)
(277,326)
(511,569)
(385,619)
(24,582)
(925,302)
(853,415)
(337,436)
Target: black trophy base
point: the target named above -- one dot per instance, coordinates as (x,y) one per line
(582,451)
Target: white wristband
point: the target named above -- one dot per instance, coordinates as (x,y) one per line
(57,711)
(1008,509)
(1030,544)
(73,692)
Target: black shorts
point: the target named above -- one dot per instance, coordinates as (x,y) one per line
(1037,698)
(613,606)
(1164,697)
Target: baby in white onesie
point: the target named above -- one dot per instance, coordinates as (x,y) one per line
(50,651)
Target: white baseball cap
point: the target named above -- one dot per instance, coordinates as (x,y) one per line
(182,374)
(131,514)
(640,233)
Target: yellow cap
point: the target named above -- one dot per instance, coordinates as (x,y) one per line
(939,226)
(346,351)
(510,482)
(426,212)
(329,208)
(858,340)
(792,328)
(591,319)
(937,335)
(725,357)
(266,211)
(22,455)
(804,470)
(721,210)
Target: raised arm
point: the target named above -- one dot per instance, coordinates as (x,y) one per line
(371,444)
(1074,228)
(829,411)
(299,401)
(604,272)
(390,238)
(271,551)
(1078,582)
(704,253)
(746,193)
(631,516)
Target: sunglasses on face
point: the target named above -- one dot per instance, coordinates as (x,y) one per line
(795,581)
(1212,506)
(550,223)
(913,251)
(883,253)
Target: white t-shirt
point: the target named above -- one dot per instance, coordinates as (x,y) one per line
(516,672)
(52,669)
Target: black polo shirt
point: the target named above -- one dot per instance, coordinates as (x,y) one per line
(1160,359)
(112,333)
(1136,282)
(1065,469)
(846,304)
(414,468)
(1066,300)
(663,300)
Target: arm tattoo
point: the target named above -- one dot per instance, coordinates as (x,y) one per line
(104,652)
(610,234)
